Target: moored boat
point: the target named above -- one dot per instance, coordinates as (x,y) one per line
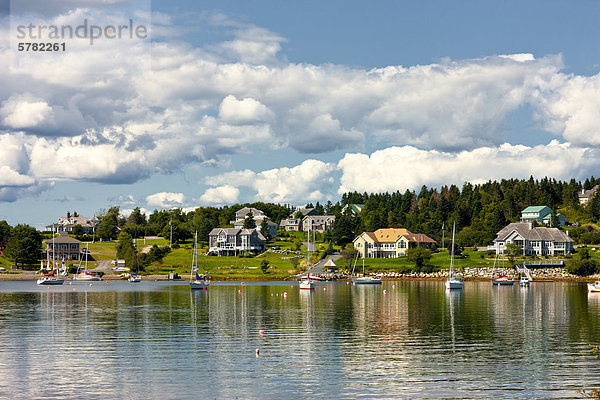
(502,281)
(594,287)
(453,282)
(200,282)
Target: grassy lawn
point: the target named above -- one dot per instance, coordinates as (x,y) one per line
(179,260)
(439,260)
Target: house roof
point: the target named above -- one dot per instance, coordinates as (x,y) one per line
(235,232)
(290,222)
(319,218)
(421,238)
(242,212)
(588,193)
(355,208)
(535,209)
(62,239)
(390,235)
(305,211)
(538,233)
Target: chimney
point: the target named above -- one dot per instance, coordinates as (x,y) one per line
(68,215)
(75,214)
(530,225)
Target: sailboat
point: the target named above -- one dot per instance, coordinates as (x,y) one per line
(453,282)
(502,280)
(51,278)
(306,283)
(364,280)
(135,278)
(197,282)
(85,275)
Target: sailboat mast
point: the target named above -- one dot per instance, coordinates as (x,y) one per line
(452,251)
(308,252)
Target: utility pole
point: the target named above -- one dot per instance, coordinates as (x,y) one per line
(442,235)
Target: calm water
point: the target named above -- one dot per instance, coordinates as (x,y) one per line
(160,341)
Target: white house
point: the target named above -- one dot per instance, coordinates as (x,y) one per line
(539,241)
(586,195)
(258,217)
(67,224)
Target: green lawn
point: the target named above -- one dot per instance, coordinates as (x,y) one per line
(439,260)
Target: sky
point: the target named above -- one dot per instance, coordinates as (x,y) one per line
(212,103)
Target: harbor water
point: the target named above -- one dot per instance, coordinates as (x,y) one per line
(268,340)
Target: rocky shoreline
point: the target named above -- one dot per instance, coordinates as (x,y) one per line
(468,274)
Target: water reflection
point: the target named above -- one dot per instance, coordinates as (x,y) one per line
(415,340)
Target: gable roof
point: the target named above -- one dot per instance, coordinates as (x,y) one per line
(243,212)
(62,239)
(588,193)
(235,232)
(536,209)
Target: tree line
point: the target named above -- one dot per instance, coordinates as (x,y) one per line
(479,211)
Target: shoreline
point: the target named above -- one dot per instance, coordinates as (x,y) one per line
(412,277)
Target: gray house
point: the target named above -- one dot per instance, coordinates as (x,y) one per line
(318,223)
(539,241)
(234,241)
(63,248)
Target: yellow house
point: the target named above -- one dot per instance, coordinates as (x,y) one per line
(389,242)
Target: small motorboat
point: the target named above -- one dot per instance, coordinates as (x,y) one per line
(594,287)
(524,281)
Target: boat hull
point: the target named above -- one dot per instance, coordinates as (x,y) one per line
(86,278)
(199,285)
(50,281)
(594,287)
(366,281)
(306,285)
(453,284)
(502,282)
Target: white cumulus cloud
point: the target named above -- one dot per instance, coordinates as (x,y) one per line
(401,168)
(309,181)
(220,195)
(166,200)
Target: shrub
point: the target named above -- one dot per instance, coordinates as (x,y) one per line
(583,267)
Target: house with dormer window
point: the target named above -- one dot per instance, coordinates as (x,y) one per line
(390,243)
(535,241)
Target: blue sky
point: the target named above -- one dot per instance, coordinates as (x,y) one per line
(293,102)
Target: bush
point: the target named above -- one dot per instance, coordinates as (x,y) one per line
(583,267)
(419,256)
